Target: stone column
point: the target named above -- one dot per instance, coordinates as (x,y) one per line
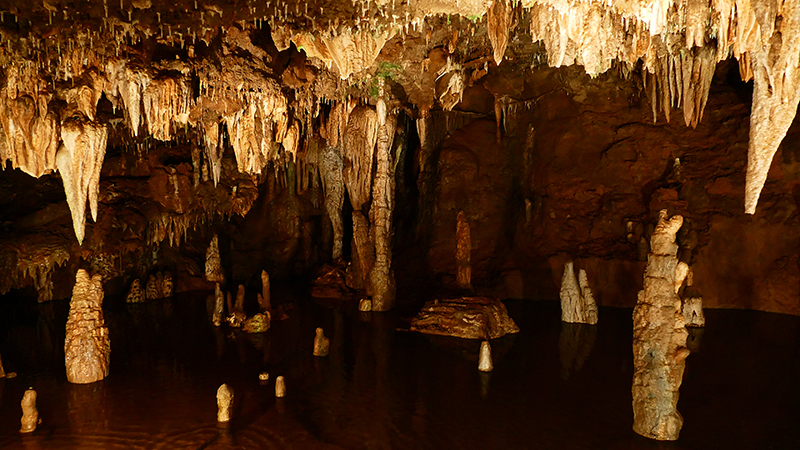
(87,347)
(659,339)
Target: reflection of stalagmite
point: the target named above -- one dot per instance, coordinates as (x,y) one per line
(776,93)
(151,290)
(79,161)
(224,403)
(575,343)
(463,250)
(87,347)
(360,138)
(239,305)
(693,312)
(219,306)
(577,301)
(333,185)
(659,339)
(485,358)
(321,343)
(265,300)
(30,415)
(213,263)
(382,276)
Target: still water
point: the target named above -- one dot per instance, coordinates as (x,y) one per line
(554,386)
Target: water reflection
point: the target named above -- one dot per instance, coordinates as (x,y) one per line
(575,344)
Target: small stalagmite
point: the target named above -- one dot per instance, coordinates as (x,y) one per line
(485,358)
(659,339)
(135,294)
(264,302)
(577,301)
(463,249)
(30,415)
(213,264)
(280,387)
(321,344)
(224,403)
(365,305)
(219,306)
(693,312)
(87,347)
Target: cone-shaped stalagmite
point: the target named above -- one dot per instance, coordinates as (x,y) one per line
(219,306)
(30,415)
(213,263)
(463,251)
(659,339)
(87,347)
(280,387)
(224,403)
(265,300)
(577,301)
(485,358)
(321,343)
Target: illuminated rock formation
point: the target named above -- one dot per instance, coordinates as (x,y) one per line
(135,294)
(365,305)
(2,371)
(224,403)
(264,302)
(321,343)
(151,291)
(467,317)
(485,358)
(280,387)
(499,26)
(659,339)
(30,415)
(463,252)
(239,305)
(259,323)
(213,264)
(577,301)
(87,347)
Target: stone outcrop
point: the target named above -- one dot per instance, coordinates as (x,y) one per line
(87,347)
(659,339)
(577,301)
(280,387)
(466,317)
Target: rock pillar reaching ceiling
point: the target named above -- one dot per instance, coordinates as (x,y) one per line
(659,339)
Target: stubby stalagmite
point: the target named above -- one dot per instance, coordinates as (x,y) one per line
(321,343)
(485,358)
(87,346)
(280,387)
(30,415)
(659,339)
(219,306)
(224,403)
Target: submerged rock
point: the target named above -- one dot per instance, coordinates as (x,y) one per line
(87,347)
(466,317)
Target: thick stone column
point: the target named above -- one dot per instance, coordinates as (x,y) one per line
(87,347)
(659,339)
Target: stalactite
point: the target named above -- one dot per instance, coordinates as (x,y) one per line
(333,186)
(79,162)
(166,100)
(499,27)
(659,339)
(351,51)
(381,275)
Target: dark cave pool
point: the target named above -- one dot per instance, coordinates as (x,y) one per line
(554,385)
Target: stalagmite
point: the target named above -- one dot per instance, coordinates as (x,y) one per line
(659,339)
(333,185)
(485,358)
(693,312)
(264,302)
(79,161)
(87,347)
(135,293)
(577,301)
(463,252)
(224,403)
(382,276)
(499,27)
(151,290)
(280,387)
(776,93)
(30,415)
(321,343)
(365,305)
(219,306)
(213,264)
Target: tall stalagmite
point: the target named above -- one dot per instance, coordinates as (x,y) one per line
(213,263)
(87,347)
(577,301)
(659,339)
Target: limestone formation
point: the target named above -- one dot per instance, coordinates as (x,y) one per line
(213,263)
(224,403)
(135,294)
(239,305)
(333,185)
(659,339)
(467,317)
(280,387)
(219,306)
(87,347)
(151,291)
(365,305)
(263,376)
(321,344)
(463,251)
(259,323)
(264,302)
(693,312)
(485,358)
(577,301)
(30,415)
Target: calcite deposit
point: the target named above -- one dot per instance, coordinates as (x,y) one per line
(87,347)
(577,301)
(30,415)
(218,314)
(135,294)
(224,403)
(467,317)
(258,323)
(463,251)
(659,339)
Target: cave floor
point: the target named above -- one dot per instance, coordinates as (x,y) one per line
(554,385)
